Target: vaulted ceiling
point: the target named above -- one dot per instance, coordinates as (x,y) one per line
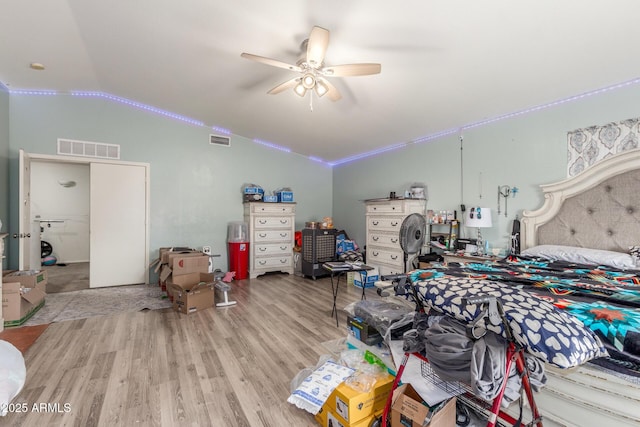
(446,64)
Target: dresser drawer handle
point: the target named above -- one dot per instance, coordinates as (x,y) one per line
(376,253)
(284,221)
(262,249)
(283,248)
(394,257)
(393,240)
(263,235)
(284,261)
(284,234)
(262,221)
(262,262)
(394,224)
(375,222)
(375,238)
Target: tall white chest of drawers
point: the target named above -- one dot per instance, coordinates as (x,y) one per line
(271,235)
(384,220)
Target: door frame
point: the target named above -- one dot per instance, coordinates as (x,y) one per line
(88,161)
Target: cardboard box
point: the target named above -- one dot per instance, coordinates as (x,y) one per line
(407,410)
(191,292)
(363,331)
(190,264)
(372,276)
(28,278)
(327,418)
(350,406)
(19,303)
(167,256)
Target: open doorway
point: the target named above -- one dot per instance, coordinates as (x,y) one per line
(60,208)
(118,218)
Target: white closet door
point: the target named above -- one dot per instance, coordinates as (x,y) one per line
(117,225)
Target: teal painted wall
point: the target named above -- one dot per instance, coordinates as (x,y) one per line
(4,163)
(195,187)
(524,151)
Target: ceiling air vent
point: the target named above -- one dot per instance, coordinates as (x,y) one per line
(70,147)
(225,141)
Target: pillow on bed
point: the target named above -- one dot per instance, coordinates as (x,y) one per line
(545,331)
(634,251)
(582,255)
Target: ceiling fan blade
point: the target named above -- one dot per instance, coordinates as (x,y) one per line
(352,70)
(284,86)
(317,46)
(272,62)
(332,93)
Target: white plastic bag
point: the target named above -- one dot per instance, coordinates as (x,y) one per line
(13,373)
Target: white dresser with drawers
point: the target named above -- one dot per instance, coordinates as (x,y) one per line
(384,219)
(271,235)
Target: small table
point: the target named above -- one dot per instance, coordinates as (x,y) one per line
(339,269)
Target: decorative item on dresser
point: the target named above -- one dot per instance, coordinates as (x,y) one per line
(384,220)
(271,233)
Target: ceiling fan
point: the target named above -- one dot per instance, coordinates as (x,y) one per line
(313,70)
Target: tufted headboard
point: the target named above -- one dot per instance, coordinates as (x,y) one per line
(599,208)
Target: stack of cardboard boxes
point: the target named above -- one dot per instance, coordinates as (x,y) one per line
(347,407)
(23,294)
(184,275)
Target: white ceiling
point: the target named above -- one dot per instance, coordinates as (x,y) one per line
(445,63)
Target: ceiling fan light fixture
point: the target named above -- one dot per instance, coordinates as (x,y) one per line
(321,88)
(308,81)
(300,90)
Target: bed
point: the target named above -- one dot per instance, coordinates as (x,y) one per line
(577,260)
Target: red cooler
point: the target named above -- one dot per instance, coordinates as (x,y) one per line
(238,249)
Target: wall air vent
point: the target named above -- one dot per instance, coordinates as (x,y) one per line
(225,141)
(70,147)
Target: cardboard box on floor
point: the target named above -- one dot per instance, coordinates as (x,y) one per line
(407,410)
(28,278)
(327,418)
(191,292)
(351,405)
(190,264)
(184,263)
(19,303)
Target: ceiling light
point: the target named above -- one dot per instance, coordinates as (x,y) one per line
(321,88)
(36,66)
(300,89)
(308,81)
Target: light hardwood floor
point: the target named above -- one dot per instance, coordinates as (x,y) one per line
(219,367)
